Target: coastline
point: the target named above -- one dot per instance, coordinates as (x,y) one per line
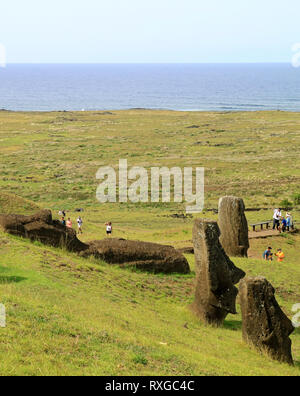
(151,110)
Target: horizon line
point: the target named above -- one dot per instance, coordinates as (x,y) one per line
(145,63)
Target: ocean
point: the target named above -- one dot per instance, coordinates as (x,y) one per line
(192,87)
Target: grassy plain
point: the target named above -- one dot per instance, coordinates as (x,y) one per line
(67,315)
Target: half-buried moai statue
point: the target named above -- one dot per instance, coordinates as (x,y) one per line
(233,226)
(264,323)
(215,295)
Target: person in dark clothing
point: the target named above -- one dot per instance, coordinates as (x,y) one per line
(268,255)
(283,224)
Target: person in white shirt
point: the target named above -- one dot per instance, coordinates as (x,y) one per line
(108,228)
(276,219)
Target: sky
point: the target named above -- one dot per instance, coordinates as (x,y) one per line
(143,31)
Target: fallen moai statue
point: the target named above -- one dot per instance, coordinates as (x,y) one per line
(233,226)
(215,295)
(187,250)
(41,227)
(265,325)
(141,255)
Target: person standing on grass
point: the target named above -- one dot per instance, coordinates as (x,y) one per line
(276,219)
(79,223)
(280,255)
(63,221)
(108,228)
(268,256)
(69,223)
(283,224)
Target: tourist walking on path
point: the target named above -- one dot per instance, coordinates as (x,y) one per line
(79,223)
(69,223)
(280,255)
(276,219)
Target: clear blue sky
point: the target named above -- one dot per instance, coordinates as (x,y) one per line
(149,30)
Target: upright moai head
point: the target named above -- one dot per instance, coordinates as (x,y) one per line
(215,295)
(233,226)
(264,323)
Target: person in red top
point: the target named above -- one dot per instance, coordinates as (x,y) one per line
(69,223)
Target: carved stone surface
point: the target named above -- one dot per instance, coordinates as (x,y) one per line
(41,227)
(233,226)
(215,295)
(144,256)
(264,323)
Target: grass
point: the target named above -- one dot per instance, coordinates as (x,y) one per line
(254,155)
(64,150)
(71,316)
(13,204)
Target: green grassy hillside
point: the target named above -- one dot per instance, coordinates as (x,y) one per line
(71,316)
(67,315)
(13,204)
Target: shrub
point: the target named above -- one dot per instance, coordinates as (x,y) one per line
(286,204)
(140,359)
(296,199)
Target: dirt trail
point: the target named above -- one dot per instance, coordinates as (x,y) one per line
(265,234)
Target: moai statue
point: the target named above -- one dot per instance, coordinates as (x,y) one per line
(264,323)
(233,226)
(215,295)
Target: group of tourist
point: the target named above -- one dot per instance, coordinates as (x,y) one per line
(268,255)
(68,223)
(280,222)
